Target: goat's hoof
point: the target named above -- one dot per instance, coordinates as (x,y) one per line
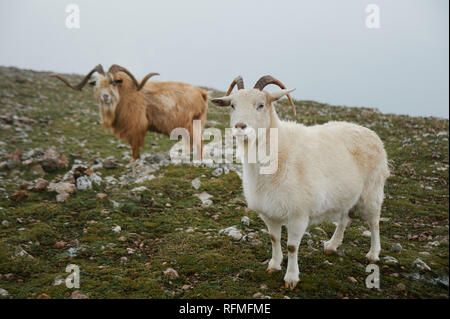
(271,270)
(290,285)
(373,259)
(329,250)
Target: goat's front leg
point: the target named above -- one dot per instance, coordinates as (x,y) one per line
(296,229)
(277,255)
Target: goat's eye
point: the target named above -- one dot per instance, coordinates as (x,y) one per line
(260,107)
(92,83)
(232,106)
(115,82)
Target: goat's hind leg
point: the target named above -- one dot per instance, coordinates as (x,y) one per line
(331,246)
(370,208)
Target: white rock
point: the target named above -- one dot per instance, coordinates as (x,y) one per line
(111,180)
(217,172)
(117,229)
(6,223)
(396,248)
(390,260)
(58,281)
(419,263)
(144,179)
(62,187)
(196,183)
(20,252)
(4,293)
(205,198)
(94,178)
(139,189)
(367,233)
(172,273)
(232,231)
(245,221)
(84,183)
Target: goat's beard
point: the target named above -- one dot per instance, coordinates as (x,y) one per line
(107,113)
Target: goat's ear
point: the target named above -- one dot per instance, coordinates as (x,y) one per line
(279,94)
(222,101)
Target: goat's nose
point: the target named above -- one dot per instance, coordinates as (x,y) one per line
(241,125)
(105,97)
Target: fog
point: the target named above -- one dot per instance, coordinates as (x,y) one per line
(322,48)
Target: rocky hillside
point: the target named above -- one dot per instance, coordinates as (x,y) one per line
(68,195)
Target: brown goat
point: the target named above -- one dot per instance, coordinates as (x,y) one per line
(130,109)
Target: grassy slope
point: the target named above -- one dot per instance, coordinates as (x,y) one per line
(213,266)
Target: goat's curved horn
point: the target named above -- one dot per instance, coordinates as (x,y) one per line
(240,84)
(145,79)
(79,86)
(268,79)
(116,68)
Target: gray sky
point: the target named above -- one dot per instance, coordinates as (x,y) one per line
(321,48)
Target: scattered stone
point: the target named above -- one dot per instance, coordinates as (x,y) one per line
(40,184)
(60,244)
(62,197)
(94,178)
(84,183)
(6,223)
(139,189)
(366,233)
(258,295)
(390,260)
(110,163)
(63,162)
(117,229)
(58,281)
(171,273)
(4,293)
(78,295)
(123,259)
(50,161)
(419,263)
(205,198)
(62,187)
(19,195)
(217,172)
(401,286)
(424,253)
(245,221)
(196,183)
(396,248)
(122,238)
(44,296)
(20,252)
(352,280)
(232,231)
(101,195)
(441,280)
(38,170)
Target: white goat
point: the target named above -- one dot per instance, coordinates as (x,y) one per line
(324,172)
